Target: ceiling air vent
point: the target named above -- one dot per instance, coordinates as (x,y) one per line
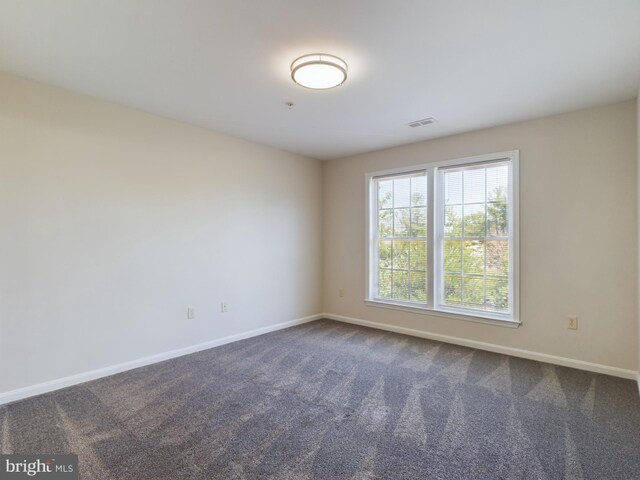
(420,123)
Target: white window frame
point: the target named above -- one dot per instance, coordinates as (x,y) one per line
(434,200)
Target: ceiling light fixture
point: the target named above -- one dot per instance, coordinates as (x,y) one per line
(319,71)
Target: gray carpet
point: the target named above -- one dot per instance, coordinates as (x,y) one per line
(327,400)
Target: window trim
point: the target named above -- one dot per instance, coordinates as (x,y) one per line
(433,195)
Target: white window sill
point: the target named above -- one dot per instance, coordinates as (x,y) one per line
(479,318)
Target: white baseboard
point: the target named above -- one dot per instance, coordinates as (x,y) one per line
(40,388)
(516,352)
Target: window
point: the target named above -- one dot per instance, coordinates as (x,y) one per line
(443,238)
(401,237)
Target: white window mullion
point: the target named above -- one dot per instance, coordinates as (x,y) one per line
(433,253)
(376,242)
(514,234)
(372,239)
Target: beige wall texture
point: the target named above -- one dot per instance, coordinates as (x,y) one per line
(113,221)
(578,235)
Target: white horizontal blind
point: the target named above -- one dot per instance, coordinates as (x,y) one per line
(475,241)
(400,238)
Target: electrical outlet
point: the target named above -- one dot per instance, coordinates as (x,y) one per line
(341,292)
(572,323)
(191,313)
(224,307)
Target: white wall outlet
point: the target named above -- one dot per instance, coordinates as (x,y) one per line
(341,292)
(191,313)
(224,307)
(572,323)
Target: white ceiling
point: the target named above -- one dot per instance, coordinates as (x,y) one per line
(224,64)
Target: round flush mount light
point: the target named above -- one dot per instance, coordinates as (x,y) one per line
(319,71)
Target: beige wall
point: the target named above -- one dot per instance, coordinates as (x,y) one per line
(112,221)
(578,247)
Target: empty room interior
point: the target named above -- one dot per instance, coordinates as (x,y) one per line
(357,239)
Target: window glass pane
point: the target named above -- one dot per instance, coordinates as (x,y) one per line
(401,192)
(497,183)
(498,257)
(418,286)
(473,183)
(476,268)
(473,291)
(418,222)
(401,285)
(385,287)
(401,243)
(385,193)
(419,191)
(497,223)
(401,254)
(474,220)
(401,222)
(418,259)
(385,254)
(453,256)
(452,289)
(385,223)
(497,294)
(473,257)
(453,221)
(453,188)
